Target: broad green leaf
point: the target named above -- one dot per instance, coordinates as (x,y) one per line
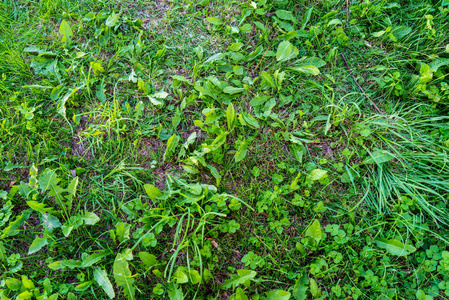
(242,277)
(301,287)
(94,258)
(101,277)
(27,283)
(314,61)
(90,218)
(83,286)
(286,51)
(241,152)
(230,115)
(426,73)
(278,295)
(235,47)
(172,143)
(152,191)
(195,276)
(148,259)
(314,289)
(13,284)
(48,180)
(306,69)
(233,90)
(314,231)
(123,277)
(37,245)
(214,21)
(66,31)
(25,295)
(39,207)
(250,120)
(112,20)
(317,174)
(239,295)
(395,247)
(2,252)
(50,222)
(285,15)
(14,226)
(122,231)
(180,277)
(379,157)
(400,31)
(259,100)
(175,292)
(437,63)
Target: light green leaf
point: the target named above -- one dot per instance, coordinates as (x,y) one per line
(122,231)
(233,90)
(286,51)
(83,286)
(101,277)
(306,69)
(175,292)
(94,258)
(278,295)
(172,143)
(112,20)
(250,120)
(259,100)
(437,63)
(241,152)
(148,259)
(195,276)
(27,283)
(239,295)
(39,207)
(379,157)
(214,21)
(37,245)
(13,284)
(285,15)
(317,174)
(24,295)
(122,276)
(314,289)
(180,277)
(230,115)
(2,252)
(301,287)
(395,247)
(242,277)
(90,218)
(66,31)
(152,191)
(314,231)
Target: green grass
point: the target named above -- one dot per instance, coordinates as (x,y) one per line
(223,150)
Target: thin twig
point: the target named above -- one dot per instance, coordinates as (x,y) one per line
(361,89)
(269,47)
